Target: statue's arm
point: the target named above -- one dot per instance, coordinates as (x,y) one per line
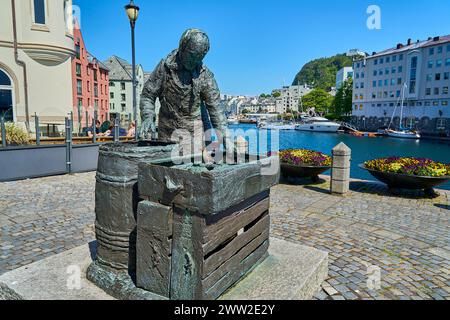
(152,90)
(211,98)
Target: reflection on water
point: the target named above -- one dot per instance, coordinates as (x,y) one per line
(363,148)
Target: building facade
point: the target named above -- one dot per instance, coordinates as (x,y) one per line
(342,75)
(418,70)
(121,89)
(36,46)
(90,85)
(290,99)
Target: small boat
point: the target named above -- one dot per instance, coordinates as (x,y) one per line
(275,126)
(233,120)
(318,124)
(405,134)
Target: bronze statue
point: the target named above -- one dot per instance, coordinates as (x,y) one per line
(183,84)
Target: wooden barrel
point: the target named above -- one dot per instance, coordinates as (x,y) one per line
(117,197)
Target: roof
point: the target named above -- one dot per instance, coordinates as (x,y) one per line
(93,59)
(119,69)
(415,45)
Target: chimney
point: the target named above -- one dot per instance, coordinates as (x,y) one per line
(399,46)
(409,41)
(436,38)
(374,53)
(430,38)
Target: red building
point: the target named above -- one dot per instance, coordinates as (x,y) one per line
(90,83)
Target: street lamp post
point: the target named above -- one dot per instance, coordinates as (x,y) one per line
(132,12)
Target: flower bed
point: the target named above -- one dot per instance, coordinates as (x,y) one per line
(409,166)
(303,157)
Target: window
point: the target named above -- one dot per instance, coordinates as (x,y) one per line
(95,75)
(391,94)
(436,103)
(437,77)
(429,77)
(80,103)
(362,75)
(123,97)
(394,58)
(393,82)
(447,62)
(375,72)
(430,64)
(111,95)
(124,107)
(399,81)
(400,57)
(448,48)
(375,62)
(362,85)
(95,90)
(89,86)
(79,87)
(446,75)
(400,69)
(436,91)
(385,94)
(380,83)
(398,94)
(393,70)
(374,95)
(381,60)
(428,91)
(431,51)
(412,79)
(357,75)
(77,51)
(358,65)
(39,11)
(112,84)
(386,71)
(374,84)
(445,90)
(380,72)
(438,63)
(78,69)
(122,85)
(388,59)
(386,82)
(445,103)
(427,103)
(439,50)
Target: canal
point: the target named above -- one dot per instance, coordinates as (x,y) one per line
(363,148)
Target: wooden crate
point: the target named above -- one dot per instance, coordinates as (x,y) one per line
(186,255)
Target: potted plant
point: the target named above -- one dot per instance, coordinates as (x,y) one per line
(303,163)
(409,173)
(15,135)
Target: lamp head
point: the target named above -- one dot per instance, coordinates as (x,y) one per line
(132,11)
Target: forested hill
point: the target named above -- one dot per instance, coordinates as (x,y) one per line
(321,73)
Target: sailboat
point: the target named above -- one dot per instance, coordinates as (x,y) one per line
(404,133)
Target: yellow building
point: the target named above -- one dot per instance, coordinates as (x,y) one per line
(36,46)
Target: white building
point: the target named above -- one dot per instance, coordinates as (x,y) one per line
(290,99)
(342,75)
(36,46)
(121,88)
(424,68)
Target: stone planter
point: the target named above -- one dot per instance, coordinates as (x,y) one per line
(293,171)
(409,182)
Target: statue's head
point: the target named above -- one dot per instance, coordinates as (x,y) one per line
(194,45)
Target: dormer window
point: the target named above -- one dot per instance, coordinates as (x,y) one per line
(39,12)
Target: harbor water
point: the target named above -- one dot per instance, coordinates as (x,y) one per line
(363,148)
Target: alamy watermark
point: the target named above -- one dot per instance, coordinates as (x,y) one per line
(374,19)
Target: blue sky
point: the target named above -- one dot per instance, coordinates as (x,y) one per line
(257,45)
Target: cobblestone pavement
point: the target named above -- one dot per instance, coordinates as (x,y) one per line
(406,237)
(43,217)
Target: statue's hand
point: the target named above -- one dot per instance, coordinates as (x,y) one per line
(147,130)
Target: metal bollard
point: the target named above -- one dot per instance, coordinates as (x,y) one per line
(340,172)
(37,129)
(2,120)
(68,146)
(94,128)
(116,130)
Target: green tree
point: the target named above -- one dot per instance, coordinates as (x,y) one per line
(276,94)
(318,99)
(322,72)
(343,99)
(245,111)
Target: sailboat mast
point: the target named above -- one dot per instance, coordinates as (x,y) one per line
(403,100)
